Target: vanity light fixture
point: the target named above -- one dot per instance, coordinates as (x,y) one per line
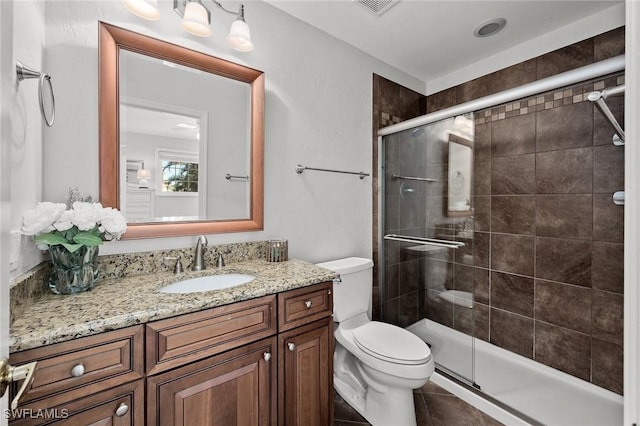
(196,19)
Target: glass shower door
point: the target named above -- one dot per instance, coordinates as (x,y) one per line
(428,238)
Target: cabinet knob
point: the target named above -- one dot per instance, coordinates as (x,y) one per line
(308,303)
(122,410)
(266,356)
(77,371)
(291,346)
(329,291)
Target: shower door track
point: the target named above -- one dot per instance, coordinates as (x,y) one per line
(567,78)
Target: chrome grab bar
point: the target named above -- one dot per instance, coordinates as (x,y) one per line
(414,178)
(425,241)
(300,168)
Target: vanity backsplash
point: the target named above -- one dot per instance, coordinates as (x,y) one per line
(32,285)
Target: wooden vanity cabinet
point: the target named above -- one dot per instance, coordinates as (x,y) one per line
(263,361)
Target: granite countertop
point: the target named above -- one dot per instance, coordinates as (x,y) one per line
(122,302)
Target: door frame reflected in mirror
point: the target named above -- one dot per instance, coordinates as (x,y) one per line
(460,176)
(111,40)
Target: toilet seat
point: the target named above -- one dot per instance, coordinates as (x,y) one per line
(391,343)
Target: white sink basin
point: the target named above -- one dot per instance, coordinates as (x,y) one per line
(212,282)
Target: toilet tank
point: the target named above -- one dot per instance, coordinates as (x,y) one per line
(353,295)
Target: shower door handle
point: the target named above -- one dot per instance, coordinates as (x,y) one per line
(425,241)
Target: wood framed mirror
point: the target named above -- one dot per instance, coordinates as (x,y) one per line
(243,85)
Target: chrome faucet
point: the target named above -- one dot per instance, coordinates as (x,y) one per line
(198,263)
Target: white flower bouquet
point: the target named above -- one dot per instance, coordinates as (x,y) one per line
(84,225)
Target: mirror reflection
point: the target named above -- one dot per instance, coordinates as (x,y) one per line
(178,146)
(459,177)
(181,138)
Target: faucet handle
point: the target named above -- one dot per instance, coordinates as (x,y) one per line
(220,262)
(178,269)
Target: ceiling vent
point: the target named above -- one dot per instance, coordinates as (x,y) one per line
(377,7)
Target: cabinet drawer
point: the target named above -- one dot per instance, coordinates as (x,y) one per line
(304,305)
(119,406)
(98,362)
(180,340)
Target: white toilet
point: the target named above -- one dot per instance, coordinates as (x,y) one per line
(376,365)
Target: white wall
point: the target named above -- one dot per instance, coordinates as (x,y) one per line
(317,111)
(6,22)
(23,40)
(607,19)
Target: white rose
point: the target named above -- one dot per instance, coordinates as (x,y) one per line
(64,222)
(113,222)
(42,218)
(86,215)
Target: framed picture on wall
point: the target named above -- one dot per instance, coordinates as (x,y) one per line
(132,171)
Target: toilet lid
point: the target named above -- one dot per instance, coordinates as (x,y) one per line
(391,343)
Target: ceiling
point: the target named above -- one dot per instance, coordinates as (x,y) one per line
(149,121)
(428,39)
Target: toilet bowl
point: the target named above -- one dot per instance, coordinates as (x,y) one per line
(376,365)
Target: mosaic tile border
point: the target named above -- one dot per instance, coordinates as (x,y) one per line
(549,100)
(387,119)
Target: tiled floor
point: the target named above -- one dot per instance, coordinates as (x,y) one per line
(434,407)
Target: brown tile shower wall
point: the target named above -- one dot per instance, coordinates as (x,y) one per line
(545,262)
(392,103)
(548,244)
(555,238)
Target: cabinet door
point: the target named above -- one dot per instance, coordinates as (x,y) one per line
(306,375)
(237,387)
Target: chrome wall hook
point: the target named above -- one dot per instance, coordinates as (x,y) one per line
(23,72)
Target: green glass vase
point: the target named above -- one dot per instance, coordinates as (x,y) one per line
(75,272)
